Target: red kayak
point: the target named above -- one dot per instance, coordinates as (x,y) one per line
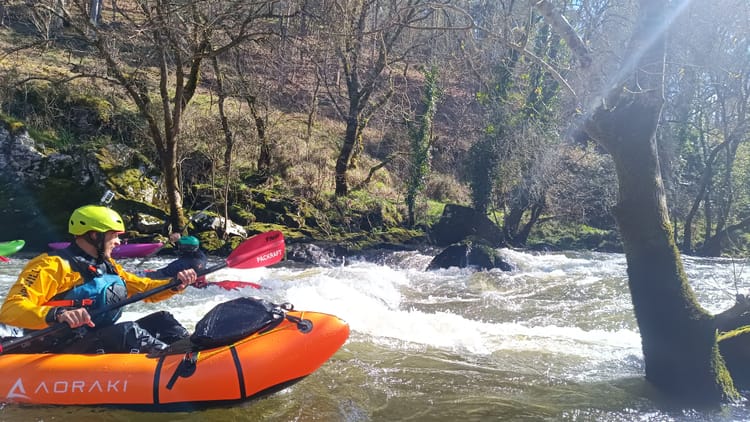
(125,250)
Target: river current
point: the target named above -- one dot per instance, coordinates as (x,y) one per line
(554,340)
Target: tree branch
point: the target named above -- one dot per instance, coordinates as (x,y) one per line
(561,25)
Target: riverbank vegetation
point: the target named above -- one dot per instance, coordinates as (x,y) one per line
(367,117)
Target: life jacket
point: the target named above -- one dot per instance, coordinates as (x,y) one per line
(102,286)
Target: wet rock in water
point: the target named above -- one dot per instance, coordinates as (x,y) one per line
(309,253)
(464,255)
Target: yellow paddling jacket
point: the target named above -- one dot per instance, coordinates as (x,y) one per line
(47,276)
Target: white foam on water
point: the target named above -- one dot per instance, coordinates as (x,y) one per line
(369,297)
(548,305)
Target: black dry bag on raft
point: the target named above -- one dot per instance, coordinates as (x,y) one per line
(236,319)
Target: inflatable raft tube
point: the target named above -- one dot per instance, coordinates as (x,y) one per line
(257,365)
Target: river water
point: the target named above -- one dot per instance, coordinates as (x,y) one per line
(554,340)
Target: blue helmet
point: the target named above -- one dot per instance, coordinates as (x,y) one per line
(188,244)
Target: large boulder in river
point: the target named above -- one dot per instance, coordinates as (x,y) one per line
(459,222)
(466,254)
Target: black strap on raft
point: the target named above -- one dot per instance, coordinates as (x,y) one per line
(223,325)
(185,369)
(303,325)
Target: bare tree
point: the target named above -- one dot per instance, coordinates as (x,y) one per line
(366,37)
(707,122)
(180,36)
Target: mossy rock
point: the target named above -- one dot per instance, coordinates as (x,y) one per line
(401,236)
(129,208)
(290,234)
(119,157)
(123,168)
(210,241)
(734,347)
(12,125)
(241,216)
(561,237)
(89,109)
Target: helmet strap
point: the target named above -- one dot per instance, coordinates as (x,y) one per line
(96,239)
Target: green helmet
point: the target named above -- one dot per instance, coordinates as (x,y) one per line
(188,244)
(96,218)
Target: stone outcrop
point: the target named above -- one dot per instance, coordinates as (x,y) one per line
(471,239)
(41,187)
(459,222)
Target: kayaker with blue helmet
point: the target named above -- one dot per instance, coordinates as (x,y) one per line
(189,255)
(64,285)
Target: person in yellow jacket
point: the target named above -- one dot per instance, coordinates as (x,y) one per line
(69,285)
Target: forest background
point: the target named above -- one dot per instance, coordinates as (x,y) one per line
(372,115)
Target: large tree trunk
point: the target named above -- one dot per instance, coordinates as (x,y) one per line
(345,155)
(264,156)
(172,187)
(678,336)
(228,139)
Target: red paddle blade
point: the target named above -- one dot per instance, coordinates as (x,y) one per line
(235,285)
(259,251)
(4,259)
